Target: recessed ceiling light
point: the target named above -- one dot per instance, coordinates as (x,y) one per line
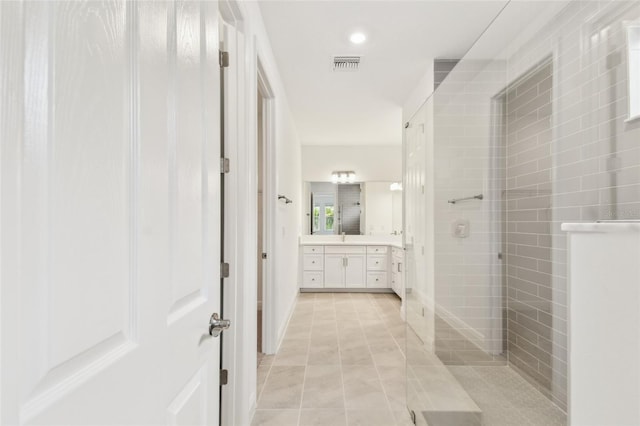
(357,38)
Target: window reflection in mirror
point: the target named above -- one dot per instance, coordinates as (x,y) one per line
(323,213)
(366,208)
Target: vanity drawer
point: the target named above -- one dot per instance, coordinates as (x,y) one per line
(377,280)
(313,262)
(345,249)
(376,249)
(313,249)
(376,262)
(312,279)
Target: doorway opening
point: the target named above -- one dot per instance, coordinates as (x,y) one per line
(265,212)
(261,253)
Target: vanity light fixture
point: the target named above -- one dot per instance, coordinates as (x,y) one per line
(343,177)
(358,38)
(396,186)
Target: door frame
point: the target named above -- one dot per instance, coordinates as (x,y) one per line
(269,334)
(233,353)
(496,195)
(240,350)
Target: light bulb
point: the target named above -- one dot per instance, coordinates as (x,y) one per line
(358,38)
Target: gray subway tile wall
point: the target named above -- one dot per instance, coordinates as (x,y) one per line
(350,209)
(442,68)
(571,156)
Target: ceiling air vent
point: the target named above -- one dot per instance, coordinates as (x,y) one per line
(346,63)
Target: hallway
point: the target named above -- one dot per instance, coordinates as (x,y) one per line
(341,363)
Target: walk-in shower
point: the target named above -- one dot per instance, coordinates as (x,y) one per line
(535,118)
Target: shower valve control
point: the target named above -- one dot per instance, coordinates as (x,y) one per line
(460,228)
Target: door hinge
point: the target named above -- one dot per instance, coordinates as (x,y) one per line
(224,270)
(224,59)
(224,377)
(264,255)
(224,165)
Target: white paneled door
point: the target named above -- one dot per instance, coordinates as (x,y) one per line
(110,212)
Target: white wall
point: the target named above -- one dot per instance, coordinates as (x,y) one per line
(396,220)
(371,163)
(419,94)
(378,204)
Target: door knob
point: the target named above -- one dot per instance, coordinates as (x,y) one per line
(217,325)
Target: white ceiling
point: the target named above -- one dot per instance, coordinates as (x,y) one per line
(403,38)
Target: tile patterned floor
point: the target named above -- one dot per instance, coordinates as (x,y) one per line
(354,374)
(342,363)
(495,395)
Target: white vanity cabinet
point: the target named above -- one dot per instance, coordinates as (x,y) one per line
(344,266)
(377,267)
(397,264)
(313,267)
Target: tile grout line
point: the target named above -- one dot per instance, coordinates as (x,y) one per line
(304,377)
(344,393)
(265,382)
(372,303)
(375,365)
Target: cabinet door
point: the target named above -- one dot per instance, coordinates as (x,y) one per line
(396,284)
(334,271)
(355,271)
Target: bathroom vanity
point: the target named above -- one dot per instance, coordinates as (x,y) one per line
(355,263)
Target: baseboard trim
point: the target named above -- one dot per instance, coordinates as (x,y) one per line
(283,329)
(347,290)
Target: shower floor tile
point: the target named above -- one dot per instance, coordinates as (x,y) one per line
(452,418)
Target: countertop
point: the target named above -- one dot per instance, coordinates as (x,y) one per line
(351,240)
(600,227)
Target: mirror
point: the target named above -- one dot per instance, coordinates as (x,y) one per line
(365,208)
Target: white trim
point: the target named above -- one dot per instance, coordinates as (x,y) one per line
(633,82)
(235,357)
(285,325)
(495,198)
(269,205)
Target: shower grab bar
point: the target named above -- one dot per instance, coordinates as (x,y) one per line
(473,197)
